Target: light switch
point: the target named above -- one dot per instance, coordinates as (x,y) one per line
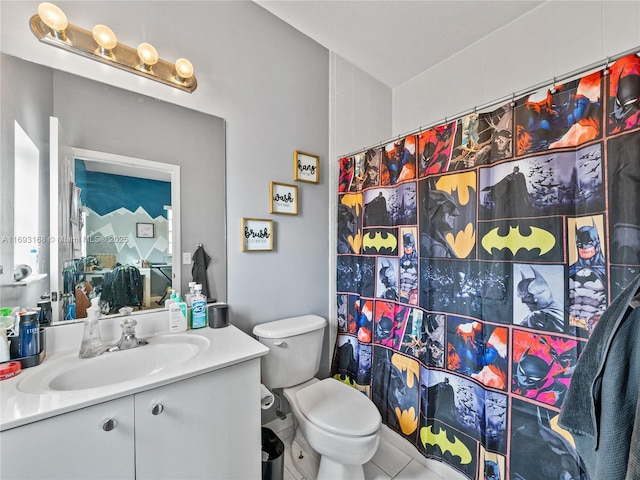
(186,258)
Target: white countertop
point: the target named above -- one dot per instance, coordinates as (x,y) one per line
(227,346)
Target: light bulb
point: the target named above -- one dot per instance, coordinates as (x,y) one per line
(148,55)
(52,17)
(104,37)
(184,68)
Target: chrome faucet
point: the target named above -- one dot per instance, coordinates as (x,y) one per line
(128,339)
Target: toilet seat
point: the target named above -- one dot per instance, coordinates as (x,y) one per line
(338,408)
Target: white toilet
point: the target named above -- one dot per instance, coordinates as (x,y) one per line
(335,420)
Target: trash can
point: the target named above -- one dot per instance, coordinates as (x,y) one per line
(272,455)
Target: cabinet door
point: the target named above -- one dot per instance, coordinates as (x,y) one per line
(83,444)
(203,427)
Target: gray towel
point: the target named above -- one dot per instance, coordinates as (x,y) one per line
(597,398)
(633,469)
(201,262)
(577,414)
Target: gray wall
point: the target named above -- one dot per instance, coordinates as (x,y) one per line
(280,103)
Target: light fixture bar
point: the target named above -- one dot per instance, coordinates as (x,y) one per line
(80,41)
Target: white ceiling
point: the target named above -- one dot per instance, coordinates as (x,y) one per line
(395,40)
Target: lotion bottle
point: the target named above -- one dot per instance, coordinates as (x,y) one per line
(177,315)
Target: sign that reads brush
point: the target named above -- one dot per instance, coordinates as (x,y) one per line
(257,235)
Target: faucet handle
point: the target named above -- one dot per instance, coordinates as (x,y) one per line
(128,339)
(128,326)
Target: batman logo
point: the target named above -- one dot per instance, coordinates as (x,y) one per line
(354,201)
(355,242)
(514,240)
(344,379)
(455,448)
(407,419)
(406,364)
(588,277)
(380,241)
(462,182)
(464,241)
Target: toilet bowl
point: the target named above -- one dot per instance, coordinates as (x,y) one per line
(339,423)
(335,421)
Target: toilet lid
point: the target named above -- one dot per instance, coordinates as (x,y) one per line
(338,408)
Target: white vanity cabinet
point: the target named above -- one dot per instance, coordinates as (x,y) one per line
(206,426)
(90,443)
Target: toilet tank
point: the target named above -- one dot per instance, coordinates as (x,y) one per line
(295,347)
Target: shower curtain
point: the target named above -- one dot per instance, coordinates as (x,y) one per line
(474,258)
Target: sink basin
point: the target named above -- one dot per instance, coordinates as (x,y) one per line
(71,373)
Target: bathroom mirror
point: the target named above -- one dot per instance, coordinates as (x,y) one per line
(122,214)
(100,125)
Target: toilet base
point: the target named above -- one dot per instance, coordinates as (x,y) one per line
(313,466)
(330,470)
(304,459)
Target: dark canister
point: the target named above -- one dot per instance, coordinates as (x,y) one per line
(218,316)
(28,338)
(45,313)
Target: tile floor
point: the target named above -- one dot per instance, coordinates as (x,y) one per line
(389,463)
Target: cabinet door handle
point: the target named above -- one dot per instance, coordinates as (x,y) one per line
(109,425)
(157,409)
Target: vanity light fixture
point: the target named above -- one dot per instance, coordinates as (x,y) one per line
(106,40)
(50,26)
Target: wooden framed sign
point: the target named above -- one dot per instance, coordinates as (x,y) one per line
(257,235)
(284,198)
(306,167)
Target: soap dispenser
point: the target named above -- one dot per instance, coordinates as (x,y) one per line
(91,341)
(171,299)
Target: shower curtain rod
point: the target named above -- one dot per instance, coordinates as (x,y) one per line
(554,81)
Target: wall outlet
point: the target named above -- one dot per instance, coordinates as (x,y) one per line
(186,258)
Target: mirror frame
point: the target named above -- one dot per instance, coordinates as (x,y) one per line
(125,161)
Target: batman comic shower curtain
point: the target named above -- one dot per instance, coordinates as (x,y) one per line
(474,260)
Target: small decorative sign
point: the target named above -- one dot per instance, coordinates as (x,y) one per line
(257,235)
(306,167)
(145,230)
(284,198)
